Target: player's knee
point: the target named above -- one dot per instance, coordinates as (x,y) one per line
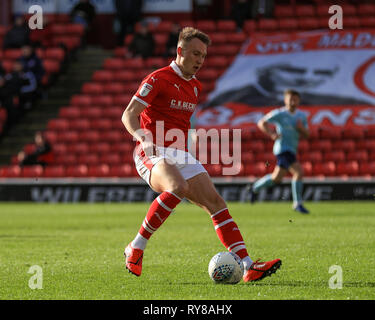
(180,188)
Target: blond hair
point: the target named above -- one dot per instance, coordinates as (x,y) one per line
(189,33)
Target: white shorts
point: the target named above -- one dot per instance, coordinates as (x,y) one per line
(184,161)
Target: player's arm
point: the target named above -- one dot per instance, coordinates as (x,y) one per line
(302,129)
(266,128)
(130,119)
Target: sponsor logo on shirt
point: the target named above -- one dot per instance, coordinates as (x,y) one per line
(182,105)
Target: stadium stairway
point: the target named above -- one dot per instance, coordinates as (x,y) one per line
(80,71)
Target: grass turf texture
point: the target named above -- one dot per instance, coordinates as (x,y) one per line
(80,247)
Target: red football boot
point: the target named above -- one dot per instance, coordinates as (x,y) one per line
(133,260)
(259,270)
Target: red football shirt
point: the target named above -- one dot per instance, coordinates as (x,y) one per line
(169,98)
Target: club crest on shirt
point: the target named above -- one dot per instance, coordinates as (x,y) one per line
(196,91)
(145,90)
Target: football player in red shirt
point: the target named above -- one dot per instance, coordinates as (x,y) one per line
(161,109)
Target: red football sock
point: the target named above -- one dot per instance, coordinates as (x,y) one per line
(228,233)
(158,212)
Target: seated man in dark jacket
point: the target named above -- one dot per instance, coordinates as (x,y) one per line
(83,13)
(42,155)
(18,35)
(31,62)
(143,43)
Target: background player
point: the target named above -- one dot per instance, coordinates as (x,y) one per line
(168,96)
(291,124)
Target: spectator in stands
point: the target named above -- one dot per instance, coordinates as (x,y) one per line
(143,43)
(42,155)
(128,13)
(22,85)
(171,45)
(32,63)
(18,35)
(240,12)
(83,13)
(262,8)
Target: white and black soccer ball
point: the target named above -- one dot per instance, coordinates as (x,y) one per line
(226,267)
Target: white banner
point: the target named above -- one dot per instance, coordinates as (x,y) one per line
(165,6)
(102,6)
(327,68)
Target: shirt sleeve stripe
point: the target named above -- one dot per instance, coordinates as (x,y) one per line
(141,101)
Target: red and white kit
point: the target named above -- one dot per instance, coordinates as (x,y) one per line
(170,101)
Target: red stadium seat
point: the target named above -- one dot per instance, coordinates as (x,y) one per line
(164,26)
(13,171)
(264,157)
(58,125)
(66,159)
(308,23)
(74,29)
(366,9)
(80,100)
(78,148)
(112,136)
(321,145)
(305,11)
(330,133)
(307,168)
(366,144)
(59,148)
(101,170)
(114,64)
(69,42)
(249,26)
(79,124)
(346,145)
(124,170)
(257,169)
(236,37)
(303,146)
(313,156)
(92,112)
(207,26)
(78,171)
(88,159)
(32,171)
(284,11)
(90,136)
(68,137)
(334,156)
(54,172)
(51,66)
(69,112)
(104,100)
(92,88)
(120,100)
(254,146)
(358,155)
(115,113)
(12,54)
(350,168)
(367,22)
(110,159)
(217,62)
(7,65)
(208,74)
(101,124)
(367,168)
(124,76)
(103,76)
(351,22)
(160,42)
(353,133)
(100,148)
(370,132)
(114,88)
(226,50)
(226,26)
(187,23)
(324,168)
(288,24)
(267,24)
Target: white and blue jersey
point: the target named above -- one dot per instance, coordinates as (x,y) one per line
(286,127)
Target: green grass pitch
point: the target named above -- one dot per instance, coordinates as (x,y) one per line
(79,248)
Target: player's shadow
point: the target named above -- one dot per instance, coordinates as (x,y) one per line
(318,284)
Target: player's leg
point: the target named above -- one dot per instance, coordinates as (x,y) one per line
(203,193)
(297,187)
(267,181)
(166,179)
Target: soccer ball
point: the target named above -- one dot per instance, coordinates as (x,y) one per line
(226,267)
